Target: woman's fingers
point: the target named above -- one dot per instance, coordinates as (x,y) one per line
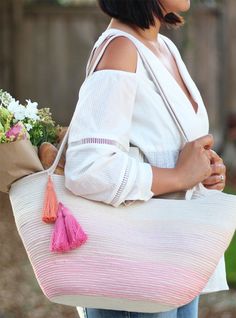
(218,168)
(206,141)
(217,180)
(214,179)
(217,186)
(214,157)
(218,175)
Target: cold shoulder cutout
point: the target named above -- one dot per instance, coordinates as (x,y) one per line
(120,54)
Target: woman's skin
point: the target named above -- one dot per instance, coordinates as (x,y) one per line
(196,162)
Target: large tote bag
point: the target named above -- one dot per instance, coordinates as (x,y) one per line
(149,256)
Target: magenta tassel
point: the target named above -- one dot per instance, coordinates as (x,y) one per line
(59,240)
(76,235)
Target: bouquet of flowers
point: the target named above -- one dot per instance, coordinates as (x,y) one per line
(23,129)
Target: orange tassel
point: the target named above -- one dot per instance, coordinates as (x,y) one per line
(50,203)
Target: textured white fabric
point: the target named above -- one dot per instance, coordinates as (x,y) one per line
(119,108)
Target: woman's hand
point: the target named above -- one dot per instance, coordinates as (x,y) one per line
(194,162)
(217,179)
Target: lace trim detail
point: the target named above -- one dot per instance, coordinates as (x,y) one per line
(94,140)
(123,183)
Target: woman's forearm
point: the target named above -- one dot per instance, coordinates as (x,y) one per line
(165,180)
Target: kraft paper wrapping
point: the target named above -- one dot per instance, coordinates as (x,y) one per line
(17,160)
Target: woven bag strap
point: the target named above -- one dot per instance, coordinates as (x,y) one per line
(89,71)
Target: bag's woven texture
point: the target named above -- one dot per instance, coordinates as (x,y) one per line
(148,257)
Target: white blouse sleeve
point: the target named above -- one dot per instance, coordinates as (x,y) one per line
(98,166)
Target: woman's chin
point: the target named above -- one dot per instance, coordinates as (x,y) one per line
(186,6)
(183,6)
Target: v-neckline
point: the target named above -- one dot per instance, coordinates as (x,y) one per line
(196,112)
(181,75)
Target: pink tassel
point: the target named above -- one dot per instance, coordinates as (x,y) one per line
(76,235)
(59,240)
(67,233)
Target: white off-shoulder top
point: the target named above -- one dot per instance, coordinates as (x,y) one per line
(117,108)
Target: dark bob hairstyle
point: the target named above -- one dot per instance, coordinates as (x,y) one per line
(140,13)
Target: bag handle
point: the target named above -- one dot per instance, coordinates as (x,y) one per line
(90,69)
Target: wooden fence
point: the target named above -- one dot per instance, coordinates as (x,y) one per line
(46,48)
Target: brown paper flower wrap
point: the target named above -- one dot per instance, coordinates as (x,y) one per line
(17,160)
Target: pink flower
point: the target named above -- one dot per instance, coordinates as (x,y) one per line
(17,132)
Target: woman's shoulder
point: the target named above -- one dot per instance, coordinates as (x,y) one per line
(120,54)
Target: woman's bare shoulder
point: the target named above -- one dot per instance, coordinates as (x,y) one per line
(120,54)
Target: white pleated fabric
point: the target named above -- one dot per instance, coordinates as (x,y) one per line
(117,108)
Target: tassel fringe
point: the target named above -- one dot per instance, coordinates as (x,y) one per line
(67,233)
(59,240)
(50,203)
(76,235)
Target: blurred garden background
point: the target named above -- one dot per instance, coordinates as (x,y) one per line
(44,49)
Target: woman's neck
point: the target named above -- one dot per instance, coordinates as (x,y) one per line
(148,35)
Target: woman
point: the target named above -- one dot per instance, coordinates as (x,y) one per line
(123,106)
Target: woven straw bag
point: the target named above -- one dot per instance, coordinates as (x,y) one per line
(149,256)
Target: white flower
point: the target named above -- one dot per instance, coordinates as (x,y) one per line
(5,98)
(31,110)
(17,109)
(28,127)
(13,106)
(19,113)
(30,104)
